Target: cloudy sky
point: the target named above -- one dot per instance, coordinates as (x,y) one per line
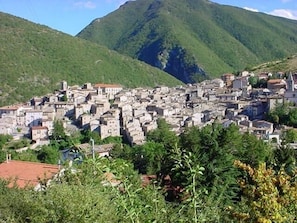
(71,16)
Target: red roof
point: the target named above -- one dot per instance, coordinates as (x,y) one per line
(9,108)
(274,81)
(26,173)
(38,127)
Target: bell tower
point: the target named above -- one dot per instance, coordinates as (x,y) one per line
(290,82)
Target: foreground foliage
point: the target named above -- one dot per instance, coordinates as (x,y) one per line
(212,174)
(268,196)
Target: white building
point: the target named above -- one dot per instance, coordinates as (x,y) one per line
(33,118)
(109,125)
(109,89)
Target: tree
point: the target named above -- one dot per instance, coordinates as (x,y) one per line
(283,114)
(87,135)
(292,118)
(48,154)
(253,81)
(58,131)
(4,139)
(289,136)
(209,150)
(2,156)
(148,158)
(267,196)
(163,135)
(254,151)
(285,157)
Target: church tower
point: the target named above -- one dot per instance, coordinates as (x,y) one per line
(290,82)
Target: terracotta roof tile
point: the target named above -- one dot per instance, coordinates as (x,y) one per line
(10,108)
(38,127)
(274,81)
(26,173)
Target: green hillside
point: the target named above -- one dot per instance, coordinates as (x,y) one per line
(288,64)
(194,37)
(34,59)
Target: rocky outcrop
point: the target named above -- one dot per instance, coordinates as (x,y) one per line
(175,61)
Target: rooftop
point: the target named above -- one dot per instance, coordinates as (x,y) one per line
(25,173)
(99,85)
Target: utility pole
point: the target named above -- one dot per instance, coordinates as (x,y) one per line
(93,150)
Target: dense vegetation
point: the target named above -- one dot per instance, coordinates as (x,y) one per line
(212,174)
(190,37)
(35,59)
(283,114)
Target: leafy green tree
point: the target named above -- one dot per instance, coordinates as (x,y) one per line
(285,157)
(292,117)
(148,158)
(253,81)
(4,139)
(283,114)
(59,138)
(209,150)
(2,156)
(289,136)
(48,154)
(123,151)
(87,135)
(163,135)
(254,151)
(58,131)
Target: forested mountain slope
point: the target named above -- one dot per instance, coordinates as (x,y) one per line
(194,38)
(35,59)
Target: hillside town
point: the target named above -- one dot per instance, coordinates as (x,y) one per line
(112,110)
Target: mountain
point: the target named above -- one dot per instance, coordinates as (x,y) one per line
(35,59)
(192,39)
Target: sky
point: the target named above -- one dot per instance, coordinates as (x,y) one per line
(71,16)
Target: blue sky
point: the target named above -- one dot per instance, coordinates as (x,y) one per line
(71,16)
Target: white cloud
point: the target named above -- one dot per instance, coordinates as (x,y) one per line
(286,13)
(118,2)
(121,2)
(251,9)
(85,4)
